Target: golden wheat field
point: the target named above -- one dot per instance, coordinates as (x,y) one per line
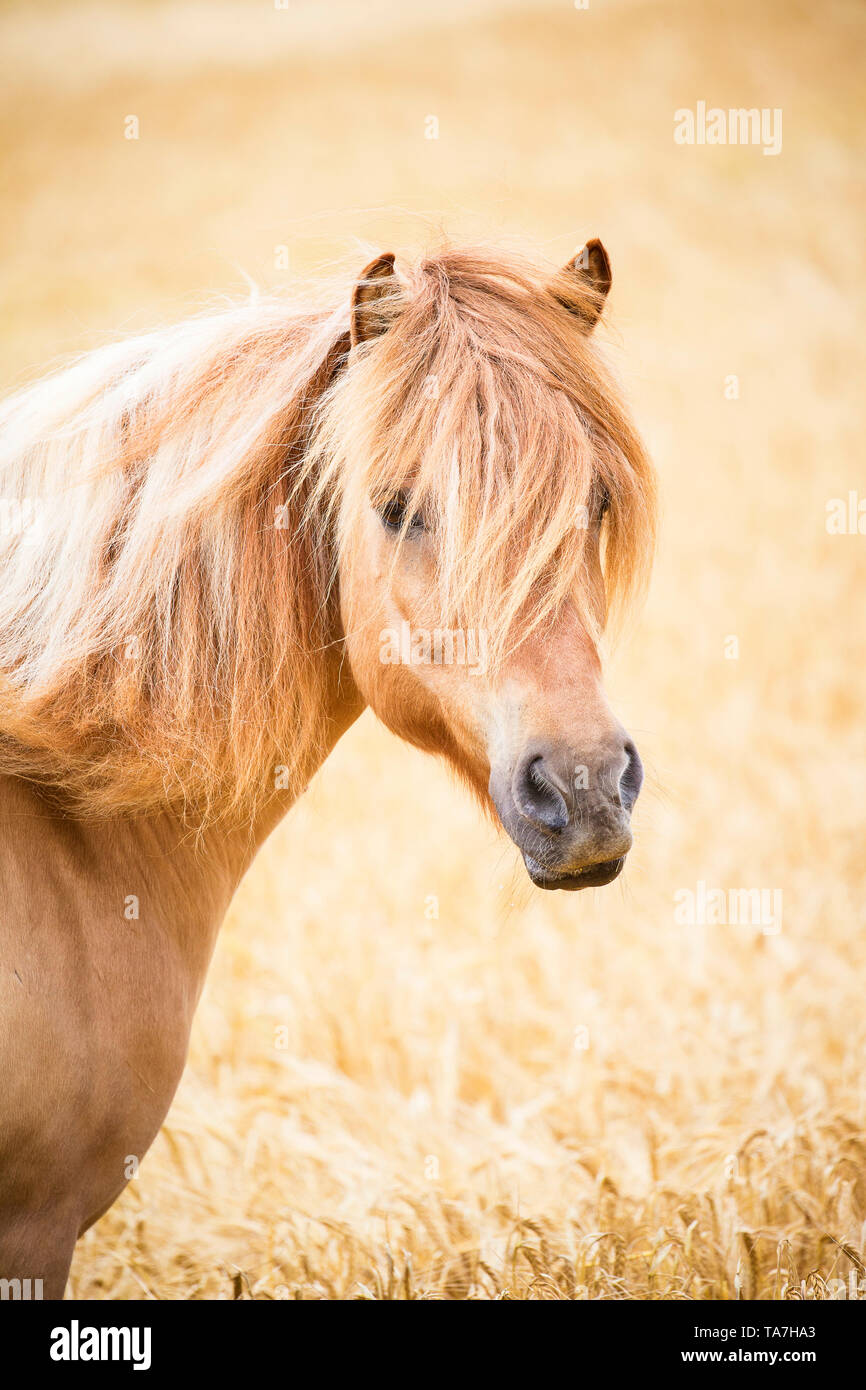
(412,1075)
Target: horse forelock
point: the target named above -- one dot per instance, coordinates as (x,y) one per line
(487,400)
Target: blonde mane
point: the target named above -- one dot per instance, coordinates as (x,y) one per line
(175,511)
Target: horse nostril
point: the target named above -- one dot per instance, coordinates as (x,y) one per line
(631,780)
(538,797)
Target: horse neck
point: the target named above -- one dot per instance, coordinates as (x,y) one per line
(187,876)
(343,703)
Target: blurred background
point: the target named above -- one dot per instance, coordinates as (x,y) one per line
(412,1075)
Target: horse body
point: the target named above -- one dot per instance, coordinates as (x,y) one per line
(229,518)
(107,1002)
(97,1002)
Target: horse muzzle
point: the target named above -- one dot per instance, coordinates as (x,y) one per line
(569,818)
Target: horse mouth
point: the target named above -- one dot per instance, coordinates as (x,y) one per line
(596,876)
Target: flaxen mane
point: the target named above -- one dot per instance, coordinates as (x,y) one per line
(183,502)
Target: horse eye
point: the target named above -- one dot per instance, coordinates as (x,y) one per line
(395,511)
(605,502)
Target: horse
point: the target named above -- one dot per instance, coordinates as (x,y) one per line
(214,524)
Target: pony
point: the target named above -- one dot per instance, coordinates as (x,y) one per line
(210,535)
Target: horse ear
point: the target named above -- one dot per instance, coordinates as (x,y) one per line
(374,300)
(590,268)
